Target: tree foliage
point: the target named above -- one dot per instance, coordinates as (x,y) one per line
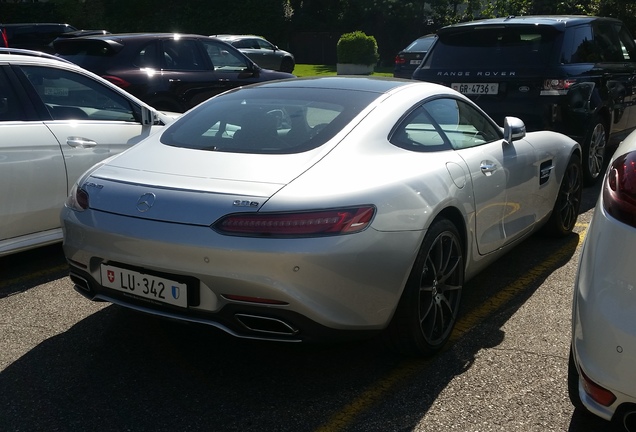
(393,23)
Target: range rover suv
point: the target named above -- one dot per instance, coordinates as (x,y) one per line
(572,74)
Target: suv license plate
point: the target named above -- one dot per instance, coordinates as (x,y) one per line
(476,88)
(145,285)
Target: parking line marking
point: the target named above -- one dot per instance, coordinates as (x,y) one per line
(409,367)
(32,276)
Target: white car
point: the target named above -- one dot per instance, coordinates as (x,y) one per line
(323,207)
(262,52)
(602,368)
(56,121)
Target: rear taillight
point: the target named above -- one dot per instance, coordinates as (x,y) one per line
(400,60)
(555,87)
(77,199)
(299,224)
(5,39)
(619,189)
(119,82)
(596,392)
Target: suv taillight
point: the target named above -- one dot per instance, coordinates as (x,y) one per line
(556,87)
(619,189)
(5,39)
(119,82)
(399,60)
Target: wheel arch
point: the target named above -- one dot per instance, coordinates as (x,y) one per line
(606,116)
(455,216)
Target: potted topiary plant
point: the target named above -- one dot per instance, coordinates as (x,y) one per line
(357,54)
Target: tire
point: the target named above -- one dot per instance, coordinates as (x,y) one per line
(594,152)
(568,201)
(287,65)
(427,311)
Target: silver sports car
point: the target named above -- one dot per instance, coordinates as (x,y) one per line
(318,208)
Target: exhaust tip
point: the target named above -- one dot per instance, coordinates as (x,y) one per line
(80,283)
(267,325)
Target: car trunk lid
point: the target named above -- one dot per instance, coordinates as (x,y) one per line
(189,186)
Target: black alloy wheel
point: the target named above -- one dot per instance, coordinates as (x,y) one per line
(568,200)
(428,308)
(594,152)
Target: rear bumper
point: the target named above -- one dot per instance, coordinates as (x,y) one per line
(603,331)
(323,286)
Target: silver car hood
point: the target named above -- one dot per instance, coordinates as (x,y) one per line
(191,186)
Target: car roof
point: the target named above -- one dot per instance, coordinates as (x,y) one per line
(557,21)
(15,55)
(139,36)
(35,24)
(354,83)
(236,37)
(117,41)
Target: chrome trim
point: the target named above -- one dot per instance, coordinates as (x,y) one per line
(292,331)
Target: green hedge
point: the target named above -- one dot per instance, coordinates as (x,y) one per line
(357,48)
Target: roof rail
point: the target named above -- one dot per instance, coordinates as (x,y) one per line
(32,53)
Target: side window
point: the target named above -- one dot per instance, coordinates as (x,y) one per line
(182,55)
(69,95)
(417,132)
(243,43)
(264,45)
(224,58)
(608,43)
(10,108)
(628,47)
(579,46)
(463,125)
(147,57)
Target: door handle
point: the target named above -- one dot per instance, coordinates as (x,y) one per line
(488,167)
(80,142)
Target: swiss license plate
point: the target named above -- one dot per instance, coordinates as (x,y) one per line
(145,285)
(415,62)
(476,88)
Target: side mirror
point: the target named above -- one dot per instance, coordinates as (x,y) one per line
(514,129)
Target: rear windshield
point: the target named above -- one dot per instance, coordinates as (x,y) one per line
(494,46)
(89,54)
(420,45)
(268,120)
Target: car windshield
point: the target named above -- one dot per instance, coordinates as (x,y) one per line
(268,120)
(494,46)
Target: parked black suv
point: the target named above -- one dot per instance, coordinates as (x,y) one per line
(571,74)
(171,72)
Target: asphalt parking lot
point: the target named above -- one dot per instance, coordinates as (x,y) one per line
(69,364)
